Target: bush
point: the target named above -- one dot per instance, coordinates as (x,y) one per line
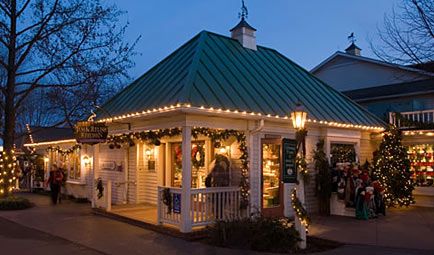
(259,234)
(14,203)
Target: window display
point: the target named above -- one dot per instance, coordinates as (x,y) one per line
(270,175)
(422,164)
(198,170)
(342,153)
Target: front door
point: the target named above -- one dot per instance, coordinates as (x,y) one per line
(272,186)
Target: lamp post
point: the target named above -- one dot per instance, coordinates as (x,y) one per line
(298,117)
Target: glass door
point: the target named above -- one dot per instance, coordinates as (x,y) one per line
(272,202)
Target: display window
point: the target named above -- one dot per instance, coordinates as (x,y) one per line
(422,163)
(271,175)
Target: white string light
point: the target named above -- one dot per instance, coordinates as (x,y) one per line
(238,112)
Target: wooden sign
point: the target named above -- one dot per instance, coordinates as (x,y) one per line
(288,161)
(90,132)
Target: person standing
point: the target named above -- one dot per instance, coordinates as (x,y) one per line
(55,181)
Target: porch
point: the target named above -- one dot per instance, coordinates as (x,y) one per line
(207,206)
(150,182)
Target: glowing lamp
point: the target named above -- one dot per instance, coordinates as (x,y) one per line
(298,117)
(222,150)
(86,160)
(46,159)
(148,153)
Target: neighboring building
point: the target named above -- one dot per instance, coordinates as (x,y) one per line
(349,70)
(386,89)
(56,145)
(217,95)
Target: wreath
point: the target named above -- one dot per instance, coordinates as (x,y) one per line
(198,156)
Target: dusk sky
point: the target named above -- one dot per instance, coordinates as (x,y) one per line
(305,31)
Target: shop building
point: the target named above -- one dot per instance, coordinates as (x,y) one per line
(400,95)
(224,104)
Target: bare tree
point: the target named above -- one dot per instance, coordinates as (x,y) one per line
(407,37)
(64,53)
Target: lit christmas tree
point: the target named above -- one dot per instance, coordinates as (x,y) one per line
(392,168)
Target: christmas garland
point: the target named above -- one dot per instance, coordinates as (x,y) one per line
(100,188)
(216,136)
(412,124)
(299,209)
(63,151)
(301,165)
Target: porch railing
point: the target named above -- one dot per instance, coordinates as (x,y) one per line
(426,116)
(169,214)
(207,205)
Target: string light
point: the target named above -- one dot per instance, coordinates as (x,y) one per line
(8,173)
(243,113)
(299,210)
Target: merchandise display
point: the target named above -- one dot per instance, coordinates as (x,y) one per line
(422,164)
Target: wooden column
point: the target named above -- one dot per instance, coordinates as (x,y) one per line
(186,180)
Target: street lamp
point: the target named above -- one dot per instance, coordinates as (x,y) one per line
(298,117)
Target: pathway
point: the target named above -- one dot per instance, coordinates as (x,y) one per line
(72,228)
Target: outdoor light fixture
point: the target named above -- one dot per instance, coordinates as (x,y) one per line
(222,150)
(148,153)
(299,116)
(86,160)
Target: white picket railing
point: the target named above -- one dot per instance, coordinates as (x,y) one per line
(217,203)
(207,205)
(426,116)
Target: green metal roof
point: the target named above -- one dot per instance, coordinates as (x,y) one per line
(212,70)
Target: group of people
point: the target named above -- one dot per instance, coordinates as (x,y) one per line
(359,190)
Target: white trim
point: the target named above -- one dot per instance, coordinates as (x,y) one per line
(370,60)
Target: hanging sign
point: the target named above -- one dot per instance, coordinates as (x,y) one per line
(176,203)
(288,161)
(90,132)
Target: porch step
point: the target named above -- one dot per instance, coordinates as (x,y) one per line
(337,207)
(196,234)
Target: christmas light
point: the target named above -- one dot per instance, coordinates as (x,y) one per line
(246,114)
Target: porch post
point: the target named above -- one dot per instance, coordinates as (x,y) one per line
(186,180)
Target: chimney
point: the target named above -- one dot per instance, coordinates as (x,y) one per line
(353,50)
(243,32)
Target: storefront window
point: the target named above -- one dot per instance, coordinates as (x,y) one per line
(198,170)
(270,175)
(342,153)
(422,164)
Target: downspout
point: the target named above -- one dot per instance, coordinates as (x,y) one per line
(259,128)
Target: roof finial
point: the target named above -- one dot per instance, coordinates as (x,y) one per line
(352,37)
(244,12)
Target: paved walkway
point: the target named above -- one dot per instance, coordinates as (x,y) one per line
(72,228)
(401,228)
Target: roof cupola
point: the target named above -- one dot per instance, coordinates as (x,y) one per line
(353,49)
(243,32)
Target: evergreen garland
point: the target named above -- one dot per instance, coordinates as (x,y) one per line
(392,168)
(299,209)
(63,151)
(412,124)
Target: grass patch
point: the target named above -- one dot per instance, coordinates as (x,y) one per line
(14,203)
